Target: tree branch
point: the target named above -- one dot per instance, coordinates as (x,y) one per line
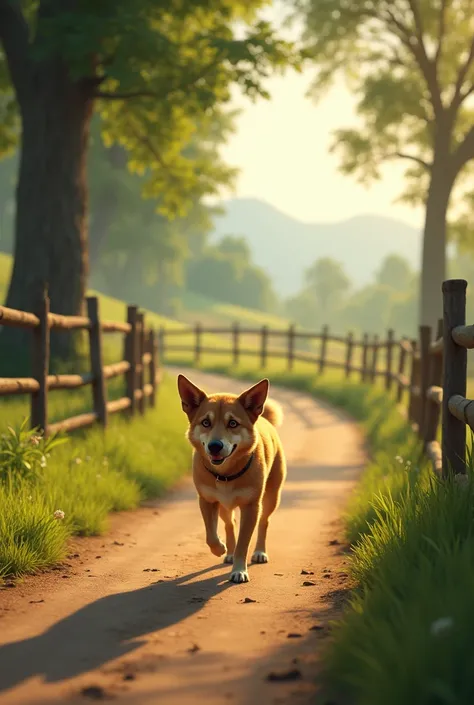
(412,158)
(459,96)
(105,95)
(465,150)
(14,35)
(441,32)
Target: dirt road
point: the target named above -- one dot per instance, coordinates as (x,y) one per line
(146,615)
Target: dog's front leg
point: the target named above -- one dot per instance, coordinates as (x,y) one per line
(249,514)
(210,514)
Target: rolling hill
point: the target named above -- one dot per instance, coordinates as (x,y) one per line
(285,246)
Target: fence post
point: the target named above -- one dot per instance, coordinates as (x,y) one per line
(197,344)
(365,352)
(40,366)
(388,372)
(132,352)
(324,343)
(401,370)
(454,376)
(375,354)
(349,351)
(291,346)
(414,382)
(433,410)
(141,366)
(263,349)
(161,344)
(425,342)
(152,369)
(235,344)
(99,393)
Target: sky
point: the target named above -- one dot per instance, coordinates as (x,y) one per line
(281,147)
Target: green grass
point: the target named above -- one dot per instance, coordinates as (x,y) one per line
(89,476)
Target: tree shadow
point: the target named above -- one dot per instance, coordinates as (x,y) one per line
(107,629)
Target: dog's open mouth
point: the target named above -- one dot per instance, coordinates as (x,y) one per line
(218,460)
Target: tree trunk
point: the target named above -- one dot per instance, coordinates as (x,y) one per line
(51,204)
(433,266)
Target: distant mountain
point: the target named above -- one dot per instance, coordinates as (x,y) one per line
(285,246)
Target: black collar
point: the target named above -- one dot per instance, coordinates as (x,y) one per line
(228,478)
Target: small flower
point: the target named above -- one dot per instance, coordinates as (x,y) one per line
(441,625)
(78,461)
(35,440)
(43,461)
(399,459)
(408,463)
(30,498)
(59,514)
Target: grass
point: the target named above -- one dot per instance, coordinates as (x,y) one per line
(89,476)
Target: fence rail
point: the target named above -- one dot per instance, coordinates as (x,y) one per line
(140,367)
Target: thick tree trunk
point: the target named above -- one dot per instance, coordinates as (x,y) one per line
(433,266)
(51,208)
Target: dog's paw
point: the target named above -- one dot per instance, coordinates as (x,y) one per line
(260,557)
(217,548)
(239,576)
(229,558)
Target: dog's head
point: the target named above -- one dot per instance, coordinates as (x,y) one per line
(222,426)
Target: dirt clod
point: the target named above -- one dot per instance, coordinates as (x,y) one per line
(294,635)
(293,674)
(307,572)
(247,600)
(94,692)
(308,583)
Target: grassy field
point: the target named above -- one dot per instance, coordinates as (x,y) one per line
(87,477)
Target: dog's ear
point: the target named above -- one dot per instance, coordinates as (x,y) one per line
(191,396)
(253,399)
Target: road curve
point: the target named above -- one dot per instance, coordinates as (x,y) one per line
(145,614)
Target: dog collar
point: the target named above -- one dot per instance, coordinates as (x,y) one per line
(229,478)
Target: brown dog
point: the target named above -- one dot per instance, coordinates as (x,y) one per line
(238,461)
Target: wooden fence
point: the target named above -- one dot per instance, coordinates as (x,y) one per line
(140,366)
(429,374)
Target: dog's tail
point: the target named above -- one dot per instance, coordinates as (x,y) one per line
(273,412)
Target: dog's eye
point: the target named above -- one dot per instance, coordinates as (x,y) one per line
(206,423)
(232,423)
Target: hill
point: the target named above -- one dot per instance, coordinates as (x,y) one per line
(285,246)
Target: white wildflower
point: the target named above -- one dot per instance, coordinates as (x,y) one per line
(408,463)
(30,498)
(43,461)
(78,461)
(35,440)
(399,459)
(59,514)
(441,625)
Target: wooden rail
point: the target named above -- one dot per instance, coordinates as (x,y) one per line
(140,366)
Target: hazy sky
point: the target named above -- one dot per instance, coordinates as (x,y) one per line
(282,149)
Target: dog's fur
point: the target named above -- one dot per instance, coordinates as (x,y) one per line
(257,491)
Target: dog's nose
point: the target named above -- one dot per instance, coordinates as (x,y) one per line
(215,447)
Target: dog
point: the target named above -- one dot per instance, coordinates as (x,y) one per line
(238,461)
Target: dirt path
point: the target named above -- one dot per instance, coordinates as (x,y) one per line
(146,614)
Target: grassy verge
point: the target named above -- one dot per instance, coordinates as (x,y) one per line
(406,634)
(86,478)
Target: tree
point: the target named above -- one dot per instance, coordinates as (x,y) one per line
(415,75)
(153,70)
(395,272)
(328,282)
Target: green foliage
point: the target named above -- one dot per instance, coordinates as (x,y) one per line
(24,452)
(161,73)
(225,272)
(395,272)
